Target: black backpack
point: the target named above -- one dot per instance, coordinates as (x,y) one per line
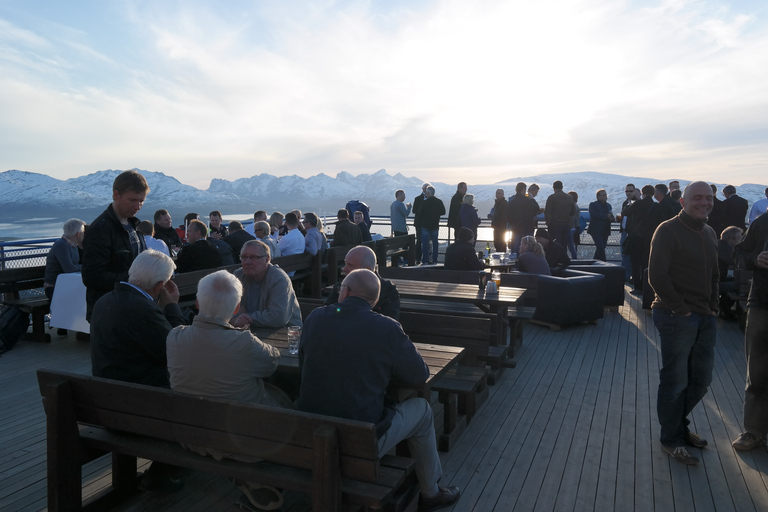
(13,323)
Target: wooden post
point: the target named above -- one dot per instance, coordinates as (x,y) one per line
(326,477)
(64,470)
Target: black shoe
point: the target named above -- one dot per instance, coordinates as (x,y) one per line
(150,482)
(695,440)
(445,497)
(61,332)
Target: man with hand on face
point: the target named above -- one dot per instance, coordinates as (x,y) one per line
(683,274)
(268,296)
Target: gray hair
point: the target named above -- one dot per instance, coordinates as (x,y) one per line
(73,227)
(262,225)
(149,268)
(218,295)
(431,190)
(258,243)
(469,199)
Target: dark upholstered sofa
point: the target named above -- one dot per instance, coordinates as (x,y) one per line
(614,278)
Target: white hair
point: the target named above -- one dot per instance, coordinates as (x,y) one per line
(218,295)
(73,227)
(149,268)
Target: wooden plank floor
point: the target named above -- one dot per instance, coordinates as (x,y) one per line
(573,427)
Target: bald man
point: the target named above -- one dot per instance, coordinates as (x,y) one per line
(347,357)
(683,274)
(364,257)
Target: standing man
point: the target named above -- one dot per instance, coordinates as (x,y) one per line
(112,242)
(758,207)
(431,210)
(417,215)
(499,222)
(629,190)
(752,254)
(717,217)
(398,213)
(521,214)
(454,221)
(735,208)
(668,208)
(558,211)
(683,274)
(674,185)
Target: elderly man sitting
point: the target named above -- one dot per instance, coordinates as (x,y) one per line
(347,357)
(268,296)
(213,358)
(364,257)
(128,330)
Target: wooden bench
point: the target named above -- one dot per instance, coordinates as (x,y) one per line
(304,267)
(334,460)
(187,282)
(334,258)
(391,249)
(16,280)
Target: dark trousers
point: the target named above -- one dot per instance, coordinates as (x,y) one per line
(687,356)
(560,233)
(600,242)
(399,233)
(499,239)
(756,392)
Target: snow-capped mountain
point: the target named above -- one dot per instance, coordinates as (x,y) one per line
(26,192)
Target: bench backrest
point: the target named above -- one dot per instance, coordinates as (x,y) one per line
(395,246)
(187,281)
(439,329)
(335,259)
(14,280)
(276,435)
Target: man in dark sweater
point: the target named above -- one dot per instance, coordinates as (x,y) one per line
(683,274)
(347,357)
(752,254)
(454,221)
(430,211)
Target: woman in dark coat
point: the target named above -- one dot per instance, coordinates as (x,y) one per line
(468,214)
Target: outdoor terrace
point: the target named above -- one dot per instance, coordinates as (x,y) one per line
(572,427)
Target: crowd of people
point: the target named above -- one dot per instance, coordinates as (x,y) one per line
(350,350)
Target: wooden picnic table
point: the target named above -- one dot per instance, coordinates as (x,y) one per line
(494,303)
(439,358)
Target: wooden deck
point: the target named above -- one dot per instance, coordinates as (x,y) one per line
(573,427)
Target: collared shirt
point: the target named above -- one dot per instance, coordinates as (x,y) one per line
(148,296)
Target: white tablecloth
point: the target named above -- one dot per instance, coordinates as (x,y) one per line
(68,303)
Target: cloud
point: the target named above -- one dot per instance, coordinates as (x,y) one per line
(435,86)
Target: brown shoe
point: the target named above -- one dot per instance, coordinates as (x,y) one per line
(747,441)
(445,497)
(695,440)
(680,454)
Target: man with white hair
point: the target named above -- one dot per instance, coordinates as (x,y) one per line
(64,257)
(129,326)
(347,357)
(268,296)
(364,257)
(213,358)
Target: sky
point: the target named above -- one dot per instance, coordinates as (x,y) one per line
(444,90)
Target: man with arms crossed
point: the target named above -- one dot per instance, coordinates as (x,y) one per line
(752,254)
(347,356)
(683,274)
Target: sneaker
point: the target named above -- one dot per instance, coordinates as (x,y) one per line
(445,497)
(748,441)
(163,483)
(695,440)
(261,497)
(680,454)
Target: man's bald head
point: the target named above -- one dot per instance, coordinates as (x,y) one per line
(359,257)
(361,283)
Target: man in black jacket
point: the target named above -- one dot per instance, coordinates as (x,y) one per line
(199,254)
(735,208)
(521,215)
(461,254)
(499,222)
(453,211)
(111,241)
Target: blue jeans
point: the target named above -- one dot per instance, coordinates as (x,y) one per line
(428,235)
(625,260)
(688,356)
(572,244)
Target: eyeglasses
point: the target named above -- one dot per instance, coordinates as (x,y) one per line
(248,257)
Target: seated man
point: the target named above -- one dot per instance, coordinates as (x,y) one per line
(364,257)
(200,254)
(146,228)
(268,296)
(556,255)
(236,238)
(346,233)
(64,257)
(293,241)
(365,231)
(347,357)
(129,326)
(461,255)
(262,230)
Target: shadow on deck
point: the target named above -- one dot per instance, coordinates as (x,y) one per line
(573,427)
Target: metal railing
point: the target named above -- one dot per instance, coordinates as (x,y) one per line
(24,253)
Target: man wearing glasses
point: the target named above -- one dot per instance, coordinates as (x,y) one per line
(262,230)
(268,297)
